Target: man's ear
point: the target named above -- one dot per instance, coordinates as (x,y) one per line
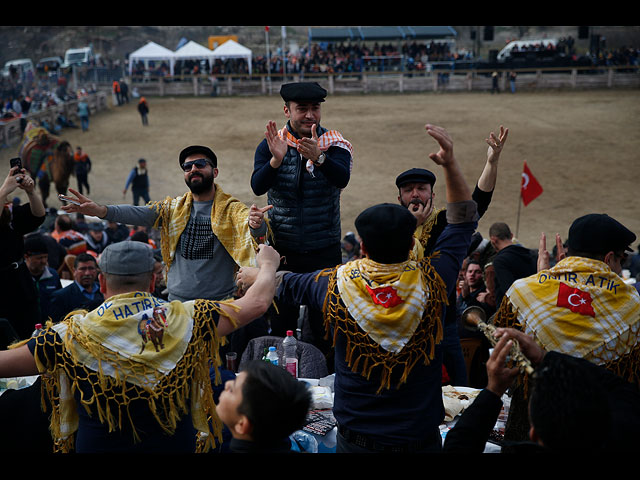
(243,426)
(102,281)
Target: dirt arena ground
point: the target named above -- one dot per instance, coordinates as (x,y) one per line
(581,146)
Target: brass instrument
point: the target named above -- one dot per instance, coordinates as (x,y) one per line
(474,318)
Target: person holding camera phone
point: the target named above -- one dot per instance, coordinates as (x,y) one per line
(15,222)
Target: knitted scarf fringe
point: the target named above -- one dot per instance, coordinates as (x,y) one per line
(186,387)
(363,355)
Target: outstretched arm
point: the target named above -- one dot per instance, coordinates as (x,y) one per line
(18,362)
(487,180)
(258,297)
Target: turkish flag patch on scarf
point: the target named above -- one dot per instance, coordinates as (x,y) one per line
(385,296)
(575,300)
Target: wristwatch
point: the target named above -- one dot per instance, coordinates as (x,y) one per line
(321,158)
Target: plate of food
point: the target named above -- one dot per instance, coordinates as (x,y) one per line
(457,399)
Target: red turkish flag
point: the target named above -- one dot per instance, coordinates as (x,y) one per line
(575,300)
(385,296)
(530,189)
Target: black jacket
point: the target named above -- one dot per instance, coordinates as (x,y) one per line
(510,264)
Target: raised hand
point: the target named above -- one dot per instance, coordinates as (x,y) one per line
(543,255)
(256,215)
(444,156)
(308,146)
(499,376)
(496,143)
(277,145)
(86,207)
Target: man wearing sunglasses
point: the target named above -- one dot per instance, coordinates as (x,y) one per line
(206,234)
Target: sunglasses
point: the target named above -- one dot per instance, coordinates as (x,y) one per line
(200,163)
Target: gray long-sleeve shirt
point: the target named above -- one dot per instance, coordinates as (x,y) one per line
(201,268)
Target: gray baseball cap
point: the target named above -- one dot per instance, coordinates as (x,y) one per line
(127,258)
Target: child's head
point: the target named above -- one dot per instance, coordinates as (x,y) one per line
(263,402)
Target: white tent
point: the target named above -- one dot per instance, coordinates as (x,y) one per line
(151,52)
(193,51)
(232,49)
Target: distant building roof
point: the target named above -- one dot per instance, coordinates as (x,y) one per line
(333,34)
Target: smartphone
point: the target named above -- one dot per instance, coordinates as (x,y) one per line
(64,198)
(16,162)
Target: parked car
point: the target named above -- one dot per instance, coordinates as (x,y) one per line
(22,65)
(48,64)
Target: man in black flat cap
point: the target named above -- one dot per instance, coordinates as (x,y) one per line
(384,313)
(581,306)
(415,192)
(206,234)
(302,168)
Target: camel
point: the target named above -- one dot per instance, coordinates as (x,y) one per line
(48,159)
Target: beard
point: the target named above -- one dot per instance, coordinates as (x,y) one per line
(199,186)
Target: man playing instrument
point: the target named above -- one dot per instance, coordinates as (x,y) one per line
(581,306)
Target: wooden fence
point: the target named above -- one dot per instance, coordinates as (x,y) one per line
(442,80)
(394,82)
(11,130)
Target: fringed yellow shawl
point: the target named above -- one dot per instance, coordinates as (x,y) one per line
(581,308)
(389,314)
(229,223)
(423,233)
(134,347)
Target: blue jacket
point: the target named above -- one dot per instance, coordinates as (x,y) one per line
(414,409)
(72,298)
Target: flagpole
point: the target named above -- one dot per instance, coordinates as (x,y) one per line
(518,220)
(266,38)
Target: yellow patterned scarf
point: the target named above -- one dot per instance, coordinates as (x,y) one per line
(386,300)
(229,223)
(124,354)
(423,233)
(579,307)
(389,314)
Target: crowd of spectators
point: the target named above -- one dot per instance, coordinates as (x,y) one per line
(347,57)
(31,93)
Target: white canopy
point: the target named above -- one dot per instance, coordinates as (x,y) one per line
(193,51)
(232,49)
(154,52)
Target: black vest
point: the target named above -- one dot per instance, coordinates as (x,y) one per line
(306,209)
(140,182)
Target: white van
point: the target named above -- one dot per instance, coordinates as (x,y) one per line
(23,65)
(77,56)
(505,53)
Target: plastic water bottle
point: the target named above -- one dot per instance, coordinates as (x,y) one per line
(290,345)
(272,356)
